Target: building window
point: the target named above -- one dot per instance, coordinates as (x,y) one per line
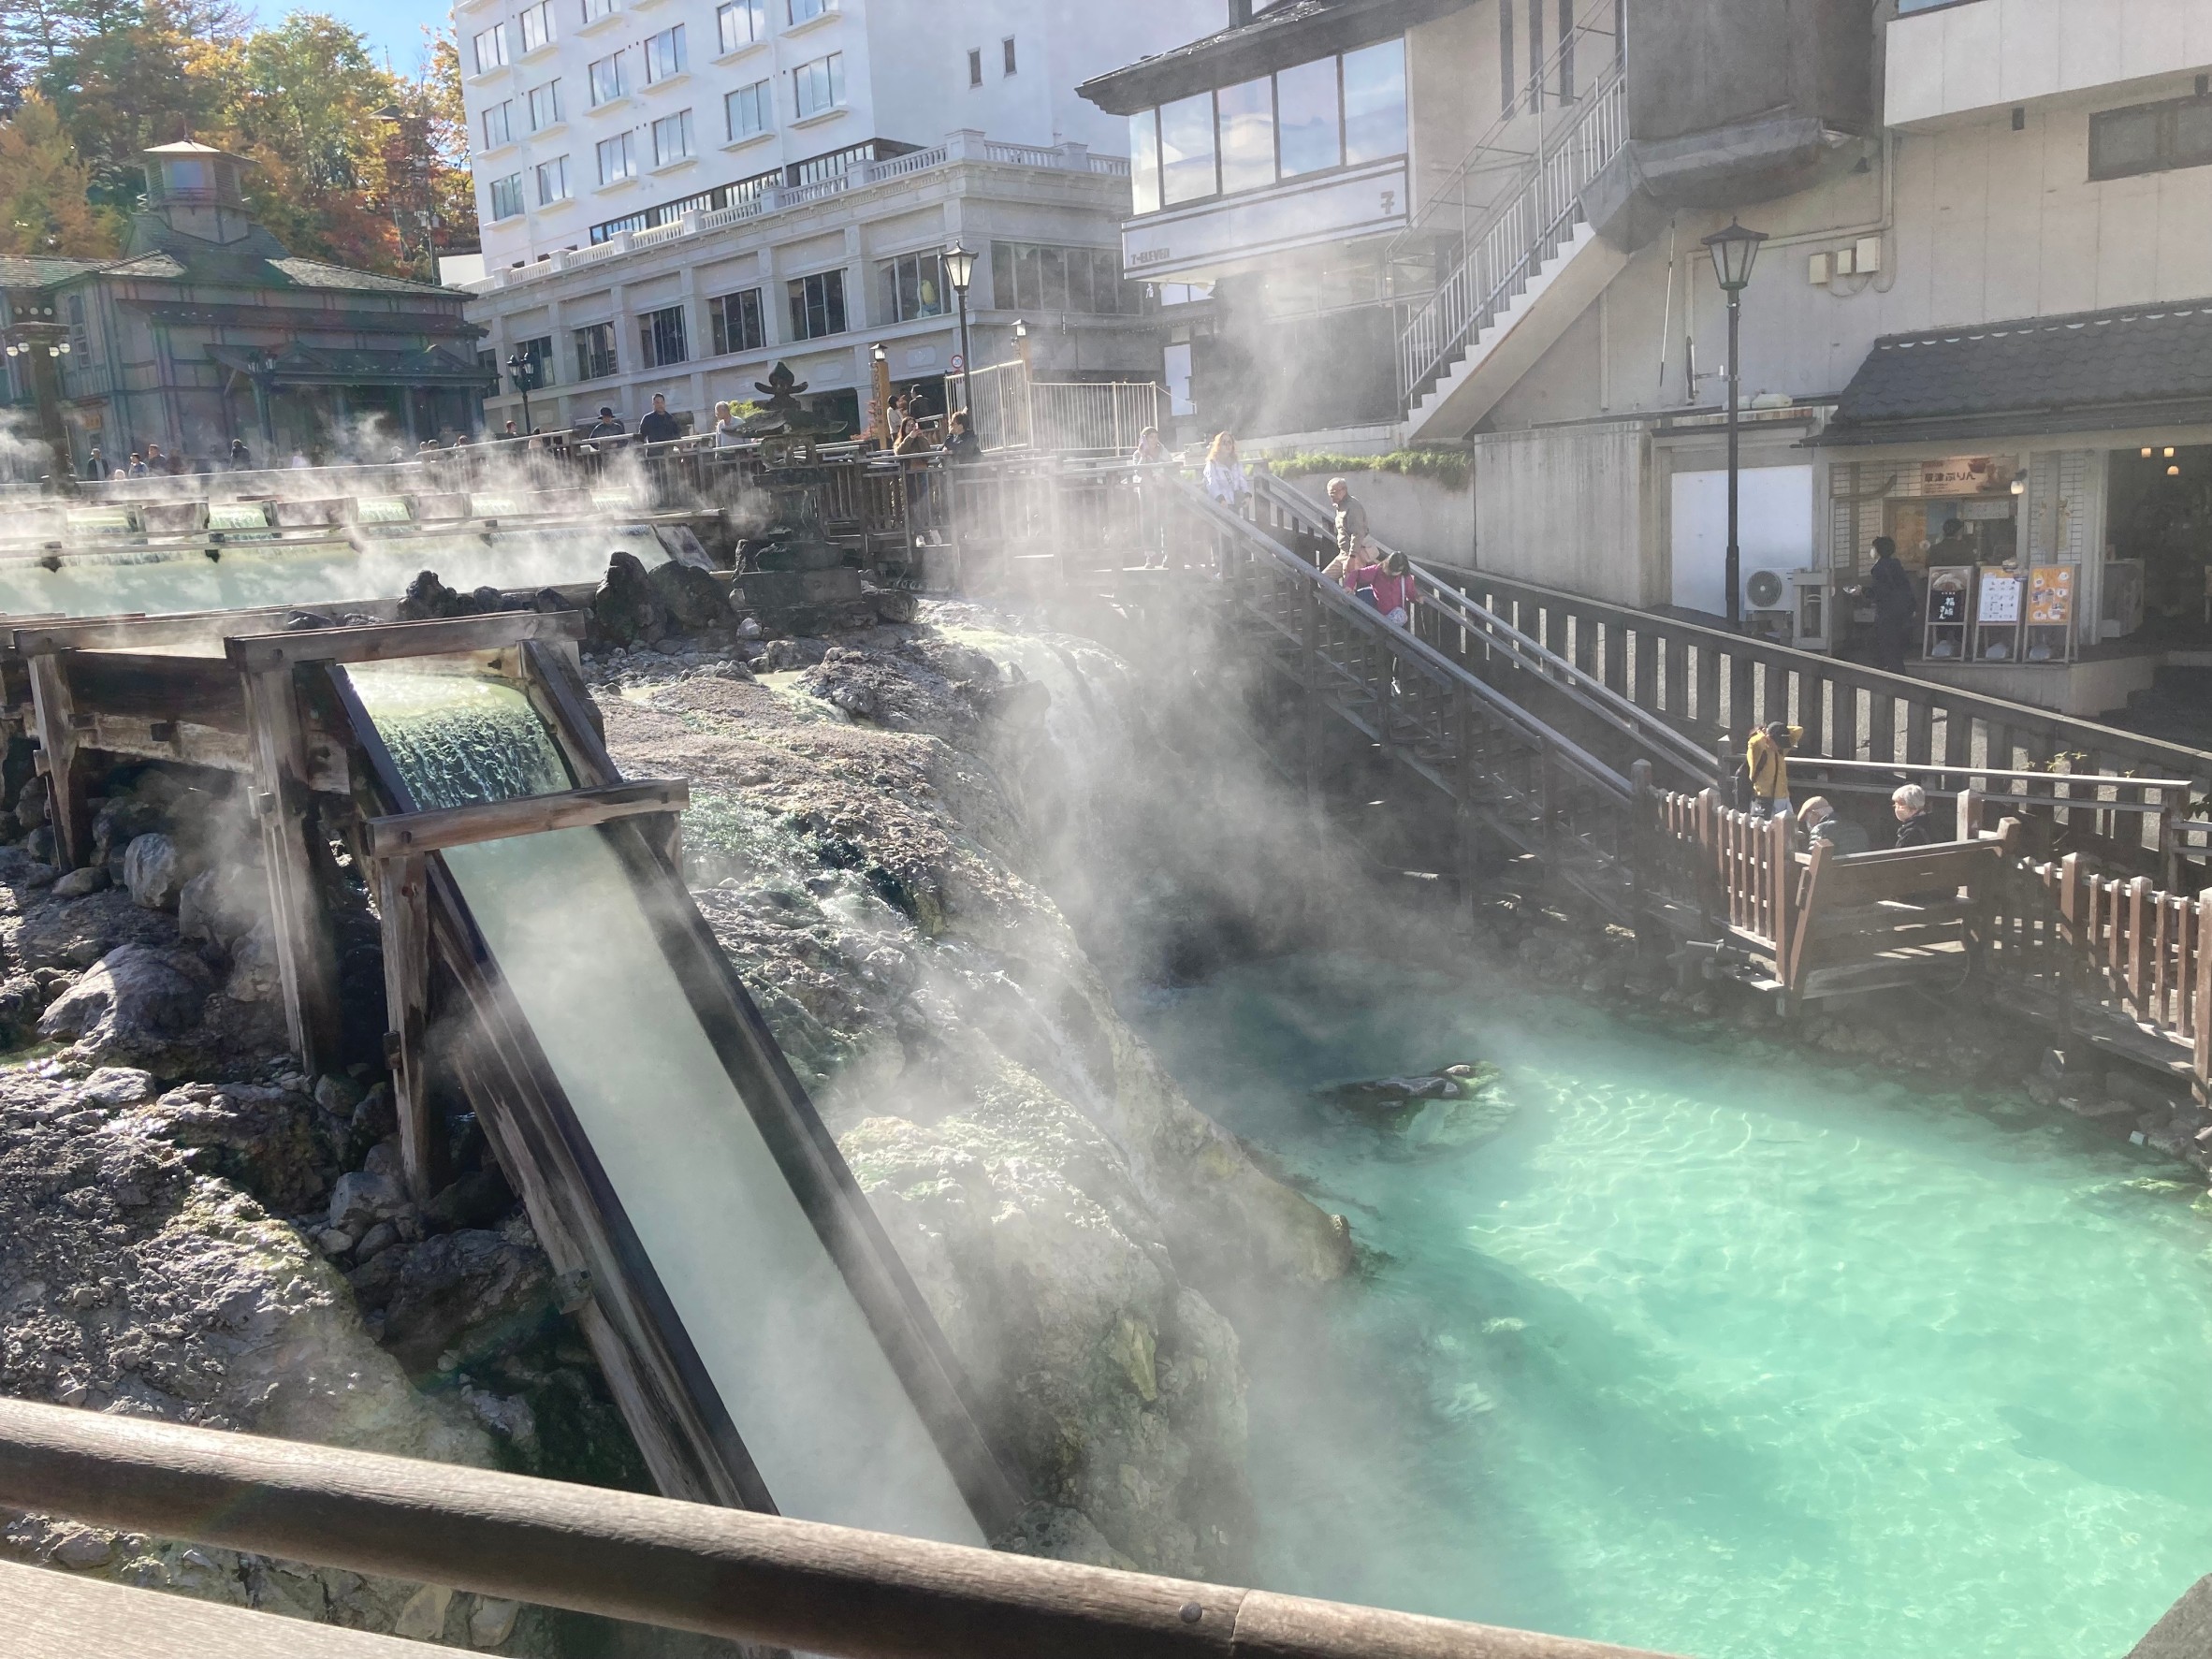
(491,49)
(1145,161)
(498,123)
(1248,125)
(507,197)
(912,285)
(617,159)
(595,10)
(2151,137)
(608,82)
(660,337)
(537,25)
(595,351)
(538,353)
(665,54)
(672,138)
(1306,116)
(1536,54)
(545,106)
(1027,277)
(820,84)
(614,227)
(742,24)
(736,319)
(806,11)
(1187,148)
(747,111)
(552,181)
(1374,102)
(817,305)
(975,66)
(1005,50)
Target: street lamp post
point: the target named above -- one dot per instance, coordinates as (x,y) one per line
(880,394)
(261,370)
(959,269)
(1734,252)
(524,368)
(38,346)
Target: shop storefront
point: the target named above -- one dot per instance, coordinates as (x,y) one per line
(2059,543)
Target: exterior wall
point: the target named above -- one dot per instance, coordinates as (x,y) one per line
(905,78)
(1989,223)
(1418,516)
(1965,61)
(975,202)
(1572,509)
(1707,64)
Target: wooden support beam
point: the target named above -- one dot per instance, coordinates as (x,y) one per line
(402,903)
(307,964)
(405,833)
(391,641)
(53,717)
(51,1615)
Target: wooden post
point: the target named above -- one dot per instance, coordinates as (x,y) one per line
(54,715)
(2202,974)
(1643,833)
(1970,814)
(1466,780)
(402,903)
(1309,681)
(306,962)
(1783,866)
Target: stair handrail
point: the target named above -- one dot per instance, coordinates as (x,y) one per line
(1660,741)
(1532,90)
(1525,222)
(1404,642)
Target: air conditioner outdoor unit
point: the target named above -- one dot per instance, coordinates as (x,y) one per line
(1765,590)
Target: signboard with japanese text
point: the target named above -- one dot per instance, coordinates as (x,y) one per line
(1965,475)
(2050,595)
(1999,598)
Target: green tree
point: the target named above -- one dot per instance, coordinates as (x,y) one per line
(45,206)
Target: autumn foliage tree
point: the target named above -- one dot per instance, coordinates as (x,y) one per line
(353,161)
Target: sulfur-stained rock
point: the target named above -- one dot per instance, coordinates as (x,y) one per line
(133,1005)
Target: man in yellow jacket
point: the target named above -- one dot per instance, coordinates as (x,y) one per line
(1766,757)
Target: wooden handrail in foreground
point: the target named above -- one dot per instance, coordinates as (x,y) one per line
(727,1573)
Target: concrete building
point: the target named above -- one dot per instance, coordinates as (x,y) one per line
(1957,196)
(208,329)
(676,193)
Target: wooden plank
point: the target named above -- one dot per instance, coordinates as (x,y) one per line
(402,903)
(1675,654)
(284,806)
(388,641)
(2201,1034)
(53,1615)
(2138,938)
(53,717)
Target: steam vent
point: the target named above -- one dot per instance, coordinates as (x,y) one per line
(1375,829)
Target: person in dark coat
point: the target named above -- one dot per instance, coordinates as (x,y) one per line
(1914,827)
(659,426)
(606,426)
(1891,589)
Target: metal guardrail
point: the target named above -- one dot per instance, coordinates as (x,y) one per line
(727,1573)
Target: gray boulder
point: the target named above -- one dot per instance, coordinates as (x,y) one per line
(220,904)
(154,871)
(362,1197)
(254,976)
(472,1295)
(625,608)
(81,882)
(132,1004)
(690,598)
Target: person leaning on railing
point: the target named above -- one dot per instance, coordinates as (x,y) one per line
(1766,757)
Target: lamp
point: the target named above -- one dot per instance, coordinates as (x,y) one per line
(880,393)
(2146,452)
(2174,471)
(2169,452)
(523,366)
(1734,252)
(959,271)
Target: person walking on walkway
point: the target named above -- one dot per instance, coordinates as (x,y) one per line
(659,426)
(1766,757)
(1146,463)
(1891,589)
(1350,517)
(1225,477)
(1395,593)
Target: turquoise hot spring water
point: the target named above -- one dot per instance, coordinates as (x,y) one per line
(1711,1348)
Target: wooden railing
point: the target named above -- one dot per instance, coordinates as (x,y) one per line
(726,1573)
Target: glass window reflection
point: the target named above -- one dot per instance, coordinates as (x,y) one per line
(1374,102)
(1306,116)
(1145,160)
(1187,149)
(1247,135)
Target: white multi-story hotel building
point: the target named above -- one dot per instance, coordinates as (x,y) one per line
(676,193)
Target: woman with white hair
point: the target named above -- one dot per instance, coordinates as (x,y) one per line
(1914,827)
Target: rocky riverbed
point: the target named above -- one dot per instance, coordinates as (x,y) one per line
(192,1230)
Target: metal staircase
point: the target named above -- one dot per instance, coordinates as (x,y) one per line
(1526,271)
